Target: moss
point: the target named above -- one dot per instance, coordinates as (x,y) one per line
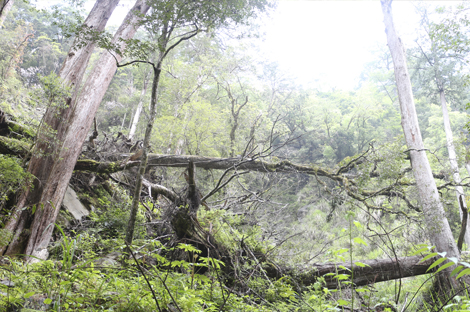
(13,146)
(26,131)
(64,218)
(97,167)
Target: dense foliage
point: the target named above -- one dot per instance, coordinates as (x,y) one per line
(358,203)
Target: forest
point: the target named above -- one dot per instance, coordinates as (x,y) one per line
(162,165)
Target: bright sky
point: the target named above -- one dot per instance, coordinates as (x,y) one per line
(328,42)
(325,43)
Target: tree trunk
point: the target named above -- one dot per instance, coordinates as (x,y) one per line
(135,120)
(143,163)
(453,162)
(77,59)
(375,271)
(5,6)
(467,166)
(71,73)
(45,153)
(439,231)
(60,163)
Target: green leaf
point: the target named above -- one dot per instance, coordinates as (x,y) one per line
(456,270)
(342,250)
(359,240)
(342,277)
(433,254)
(436,263)
(360,264)
(26,296)
(445,266)
(48,301)
(420,251)
(464,272)
(358,224)
(344,268)
(343,302)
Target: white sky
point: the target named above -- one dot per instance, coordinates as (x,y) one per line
(328,42)
(325,43)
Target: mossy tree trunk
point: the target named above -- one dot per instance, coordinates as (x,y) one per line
(32,222)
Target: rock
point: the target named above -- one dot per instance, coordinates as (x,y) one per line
(7,283)
(111,259)
(36,303)
(73,205)
(38,255)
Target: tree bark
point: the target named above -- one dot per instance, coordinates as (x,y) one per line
(5,6)
(77,59)
(439,231)
(138,111)
(157,69)
(375,271)
(54,120)
(60,164)
(454,164)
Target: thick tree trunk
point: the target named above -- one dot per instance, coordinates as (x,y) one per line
(453,162)
(439,231)
(73,133)
(77,59)
(375,271)
(5,6)
(54,120)
(182,161)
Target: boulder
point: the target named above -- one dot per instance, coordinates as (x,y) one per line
(73,205)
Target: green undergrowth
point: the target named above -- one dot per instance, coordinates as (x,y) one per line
(70,285)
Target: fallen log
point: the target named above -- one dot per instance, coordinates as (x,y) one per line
(10,127)
(121,161)
(365,272)
(182,161)
(373,271)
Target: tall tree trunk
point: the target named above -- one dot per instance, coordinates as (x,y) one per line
(138,111)
(54,120)
(439,231)
(5,6)
(77,59)
(467,161)
(157,69)
(453,162)
(136,118)
(71,135)
(71,73)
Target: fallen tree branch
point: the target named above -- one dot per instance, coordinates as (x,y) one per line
(160,189)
